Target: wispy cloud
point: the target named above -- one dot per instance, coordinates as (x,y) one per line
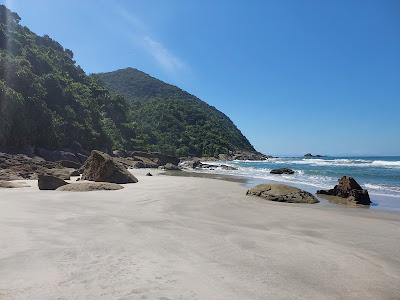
(142,37)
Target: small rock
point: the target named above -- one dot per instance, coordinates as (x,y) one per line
(48,182)
(282,171)
(149,174)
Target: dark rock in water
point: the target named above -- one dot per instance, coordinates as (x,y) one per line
(348,188)
(11,185)
(171,167)
(47,182)
(208,166)
(90,186)
(246,155)
(282,171)
(101,167)
(226,167)
(149,174)
(282,193)
(70,164)
(309,155)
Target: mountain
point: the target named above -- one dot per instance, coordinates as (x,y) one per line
(173,118)
(48,101)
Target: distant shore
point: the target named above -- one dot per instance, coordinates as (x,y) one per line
(172,237)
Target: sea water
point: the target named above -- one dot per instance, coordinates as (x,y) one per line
(380,175)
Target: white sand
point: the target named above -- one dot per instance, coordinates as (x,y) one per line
(191,238)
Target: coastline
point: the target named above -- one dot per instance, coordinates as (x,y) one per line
(186,237)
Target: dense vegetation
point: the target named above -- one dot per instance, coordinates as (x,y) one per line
(46,100)
(173,119)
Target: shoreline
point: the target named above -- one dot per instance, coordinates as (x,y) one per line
(380,202)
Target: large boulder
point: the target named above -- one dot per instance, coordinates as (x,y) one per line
(101,167)
(48,182)
(282,171)
(157,158)
(191,163)
(90,186)
(349,189)
(282,193)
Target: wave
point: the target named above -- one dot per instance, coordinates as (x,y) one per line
(340,162)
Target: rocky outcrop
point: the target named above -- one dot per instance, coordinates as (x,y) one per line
(192,163)
(90,186)
(20,166)
(282,171)
(70,164)
(226,167)
(349,189)
(47,182)
(102,168)
(282,193)
(246,155)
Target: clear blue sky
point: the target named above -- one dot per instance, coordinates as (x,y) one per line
(295,76)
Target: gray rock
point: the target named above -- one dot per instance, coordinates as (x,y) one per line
(282,193)
(282,171)
(226,167)
(102,168)
(149,174)
(47,182)
(90,186)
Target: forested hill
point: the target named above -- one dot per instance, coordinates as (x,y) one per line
(47,100)
(170,114)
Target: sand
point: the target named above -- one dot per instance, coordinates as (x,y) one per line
(181,237)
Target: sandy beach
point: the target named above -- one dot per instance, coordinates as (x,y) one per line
(170,237)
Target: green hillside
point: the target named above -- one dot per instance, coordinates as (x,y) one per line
(47,100)
(174,119)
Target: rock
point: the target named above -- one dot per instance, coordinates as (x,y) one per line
(70,164)
(282,193)
(191,164)
(171,167)
(90,186)
(75,173)
(18,166)
(82,157)
(119,153)
(12,185)
(247,155)
(57,155)
(282,171)
(156,157)
(226,167)
(101,167)
(348,188)
(47,182)
(149,174)
(139,165)
(208,166)
(309,155)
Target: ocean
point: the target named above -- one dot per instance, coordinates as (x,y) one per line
(380,175)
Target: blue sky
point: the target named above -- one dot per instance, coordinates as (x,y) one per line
(295,76)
